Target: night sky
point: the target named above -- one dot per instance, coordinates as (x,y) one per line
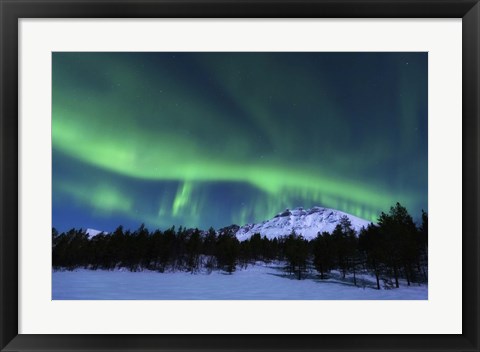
(211,139)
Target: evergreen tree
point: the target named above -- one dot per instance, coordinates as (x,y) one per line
(393,248)
(399,230)
(256,247)
(209,245)
(323,253)
(227,250)
(344,246)
(194,246)
(371,242)
(423,247)
(296,253)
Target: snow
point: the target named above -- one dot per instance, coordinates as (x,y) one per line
(256,282)
(307,222)
(92,233)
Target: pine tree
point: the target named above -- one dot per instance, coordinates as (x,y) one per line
(296,253)
(323,252)
(227,250)
(371,242)
(194,245)
(399,230)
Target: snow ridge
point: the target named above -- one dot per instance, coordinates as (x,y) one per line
(92,233)
(305,222)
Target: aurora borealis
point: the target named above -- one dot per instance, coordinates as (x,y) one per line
(211,139)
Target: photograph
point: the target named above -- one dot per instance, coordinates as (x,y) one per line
(239,175)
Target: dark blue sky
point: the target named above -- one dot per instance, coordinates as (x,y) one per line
(210,139)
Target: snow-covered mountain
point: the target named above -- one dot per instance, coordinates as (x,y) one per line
(307,222)
(92,232)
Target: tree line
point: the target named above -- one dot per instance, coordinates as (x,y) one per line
(392,249)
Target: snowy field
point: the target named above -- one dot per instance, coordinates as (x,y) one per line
(259,282)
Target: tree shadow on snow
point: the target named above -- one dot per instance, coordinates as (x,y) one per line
(332,279)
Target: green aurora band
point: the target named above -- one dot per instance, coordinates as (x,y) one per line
(273,125)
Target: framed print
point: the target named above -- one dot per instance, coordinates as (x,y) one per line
(239,176)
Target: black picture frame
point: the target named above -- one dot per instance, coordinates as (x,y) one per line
(12,10)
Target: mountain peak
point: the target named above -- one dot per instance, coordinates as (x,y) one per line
(305,222)
(92,233)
